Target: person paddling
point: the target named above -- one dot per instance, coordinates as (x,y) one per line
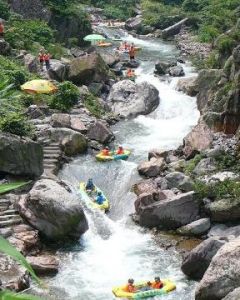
(100,198)
(106,151)
(90,186)
(120,150)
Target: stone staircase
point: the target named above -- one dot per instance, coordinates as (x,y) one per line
(8,216)
(51,155)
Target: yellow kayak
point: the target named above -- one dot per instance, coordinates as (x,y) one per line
(105,206)
(168,286)
(113,156)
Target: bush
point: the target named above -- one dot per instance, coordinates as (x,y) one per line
(208,33)
(66,97)
(22,33)
(220,190)
(92,104)
(191,164)
(16,123)
(4,10)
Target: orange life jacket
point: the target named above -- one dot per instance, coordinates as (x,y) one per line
(120,151)
(46,57)
(105,152)
(1,28)
(157,285)
(130,288)
(41,56)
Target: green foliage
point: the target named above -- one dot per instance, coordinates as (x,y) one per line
(92,104)
(226,161)
(7,187)
(225,45)
(22,33)
(16,123)
(208,33)
(66,97)
(8,295)
(191,164)
(4,10)
(220,190)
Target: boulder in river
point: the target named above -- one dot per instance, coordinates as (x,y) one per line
(196,262)
(170,213)
(100,132)
(196,228)
(223,274)
(44,264)
(129,99)
(134,23)
(188,86)
(176,71)
(20,156)
(152,168)
(162,67)
(52,209)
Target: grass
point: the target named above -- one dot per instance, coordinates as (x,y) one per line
(92,104)
(8,187)
(191,164)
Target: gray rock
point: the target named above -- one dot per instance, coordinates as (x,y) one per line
(60,120)
(78,125)
(144,186)
(54,211)
(180,181)
(77,52)
(223,274)
(20,156)
(88,69)
(100,132)
(196,228)
(152,168)
(224,232)
(176,71)
(110,59)
(58,70)
(205,166)
(198,260)
(44,264)
(162,67)
(129,99)
(188,86)
(5,48)
(174,29)
(234,295)
(31,63)
(170,213)
(134,23)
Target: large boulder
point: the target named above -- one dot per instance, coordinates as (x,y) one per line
(223,274)
(174,29)
(199,139)
(54,211)
(78,125)
(170,213)
(58,70)
(176,71)
(205,166)
(196,228)
(60,120)
(134,23)
(162,67)
(88,69)
(110,59)
(100,132)
(144,186)
(44,264)
(224,210)
(129,99)
(188,86)
(72,142)
(20,156)
(180,181)
(152,168)
(196,262)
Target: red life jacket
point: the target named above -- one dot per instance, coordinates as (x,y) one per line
(105,152)
(130,288)
(120,151)
(1,28)
(157,285)
(41,56)
(46,57)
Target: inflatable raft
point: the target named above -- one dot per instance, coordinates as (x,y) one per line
(104,45)
(168,286)
(113,156)
(91,196)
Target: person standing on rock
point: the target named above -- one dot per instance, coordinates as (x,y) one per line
(41,57)
(47,57)
(1,29)
(132,52)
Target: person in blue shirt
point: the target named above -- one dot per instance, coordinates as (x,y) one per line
(90,186)
(100,198)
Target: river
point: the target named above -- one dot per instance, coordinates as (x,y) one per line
(114,248)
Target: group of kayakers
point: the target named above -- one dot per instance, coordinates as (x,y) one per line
(130,49)
(90,188)
(44,58)
(156,284)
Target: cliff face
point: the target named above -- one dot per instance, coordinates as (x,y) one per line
(219,95)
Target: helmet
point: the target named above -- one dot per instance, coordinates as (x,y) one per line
(90,179)
(99,193)
(157,278)
(107,148)
(130,280)
(120,147)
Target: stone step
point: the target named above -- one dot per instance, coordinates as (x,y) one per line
(10,222)
(8,212)
(4,202)
(50,161)
(49,166)
(47,150)
(51,156)
(8,217)
(54,148)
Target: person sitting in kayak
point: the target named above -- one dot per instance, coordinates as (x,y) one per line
(157,284)
(106,151)
(100,198)
(130,288)
(90,186)
(130,73)
(120,150)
